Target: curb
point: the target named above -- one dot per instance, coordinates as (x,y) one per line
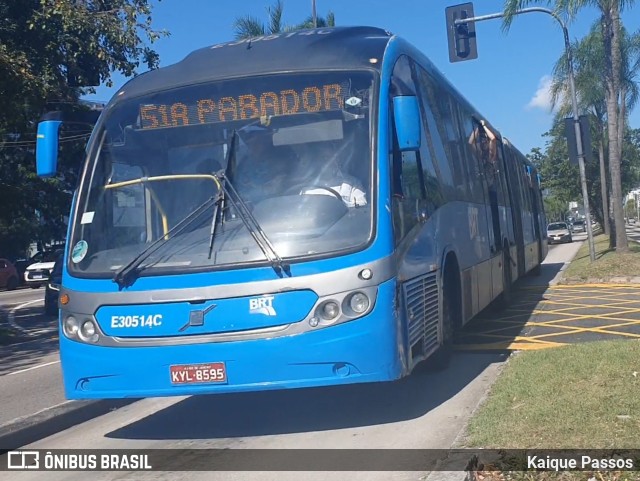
(29,429)
(458,440)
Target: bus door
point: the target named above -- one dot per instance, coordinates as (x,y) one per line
(485,144)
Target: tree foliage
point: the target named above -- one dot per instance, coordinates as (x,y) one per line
(616,96)
(560,178)
(51,51)
(251,26)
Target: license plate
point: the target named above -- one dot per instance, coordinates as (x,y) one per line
(37,276)
(214,372)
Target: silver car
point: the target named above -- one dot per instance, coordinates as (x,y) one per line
(558,232)
(579,226)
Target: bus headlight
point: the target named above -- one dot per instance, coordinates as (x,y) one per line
(71,326)
(344,306)
(88,331)
(329,310)
(358,302)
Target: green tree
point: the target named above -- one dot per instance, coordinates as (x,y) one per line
(251,26)
(560,178)
(555,209)
(588,55)
(49,50)
(611,33)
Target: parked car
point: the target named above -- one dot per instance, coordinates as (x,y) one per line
(8,275)
(558,232)
(579,226)
(21,266)
(37,274)
(52,289)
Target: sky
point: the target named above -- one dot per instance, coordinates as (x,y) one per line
(507,83)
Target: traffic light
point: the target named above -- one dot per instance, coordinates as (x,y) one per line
(585,134)
(461,36)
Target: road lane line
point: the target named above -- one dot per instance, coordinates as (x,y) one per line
(11,318)
(32,368)
(54,338)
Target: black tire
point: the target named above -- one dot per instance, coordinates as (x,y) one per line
(451,304)
(12,283)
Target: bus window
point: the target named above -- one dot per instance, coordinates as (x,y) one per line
(407,182)
(128,205)
(473,166)
(432,118)
(430,170)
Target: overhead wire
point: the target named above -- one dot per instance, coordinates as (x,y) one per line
(27,143)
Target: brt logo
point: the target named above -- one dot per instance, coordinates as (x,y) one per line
(262,305)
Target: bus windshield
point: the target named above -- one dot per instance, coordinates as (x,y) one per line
(301,161)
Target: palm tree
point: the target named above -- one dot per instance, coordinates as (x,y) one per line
(611,34)
(329,21)
(588,55)
(251,26)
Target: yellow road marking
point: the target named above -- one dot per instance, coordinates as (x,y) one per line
(563,303)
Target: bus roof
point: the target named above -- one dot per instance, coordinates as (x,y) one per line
(315,49)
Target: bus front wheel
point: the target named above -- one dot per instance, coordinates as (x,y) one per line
(451,317)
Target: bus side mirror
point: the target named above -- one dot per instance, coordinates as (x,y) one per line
(406,114)
(47,148)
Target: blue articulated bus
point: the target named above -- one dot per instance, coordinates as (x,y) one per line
(304,209)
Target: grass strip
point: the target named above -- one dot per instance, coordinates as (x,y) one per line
(608,263)
(581,396)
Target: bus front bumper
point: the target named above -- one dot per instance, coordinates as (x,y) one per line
(363,350)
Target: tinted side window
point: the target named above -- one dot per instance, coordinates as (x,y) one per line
(432,118)
(473,163)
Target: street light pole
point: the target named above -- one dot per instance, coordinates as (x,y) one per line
(574,101)
(314,16)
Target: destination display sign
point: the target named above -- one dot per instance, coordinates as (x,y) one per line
(242,107)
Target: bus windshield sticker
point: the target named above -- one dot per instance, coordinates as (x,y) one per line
(242,107)
(87,218)
(79,251)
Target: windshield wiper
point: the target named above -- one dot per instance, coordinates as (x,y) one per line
(227,192)
(127,274)
(221,180)
(253,227)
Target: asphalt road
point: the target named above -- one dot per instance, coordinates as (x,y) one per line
(427,410)
(30,378)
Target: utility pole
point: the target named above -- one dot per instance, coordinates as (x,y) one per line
(462,22)
(314,16)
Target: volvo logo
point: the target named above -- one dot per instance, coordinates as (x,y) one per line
(196,318)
